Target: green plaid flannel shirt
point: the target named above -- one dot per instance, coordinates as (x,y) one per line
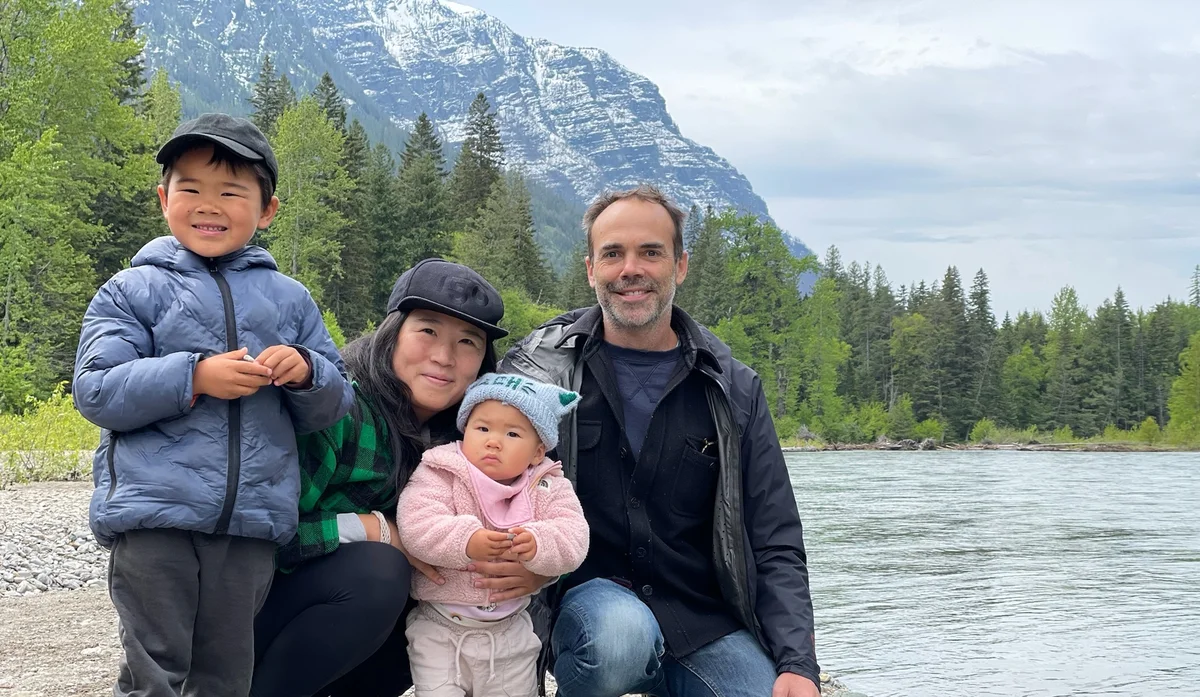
(346,468)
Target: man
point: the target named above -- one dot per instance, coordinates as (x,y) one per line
(696,582)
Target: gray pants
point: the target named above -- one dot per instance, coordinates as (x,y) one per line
(186,602)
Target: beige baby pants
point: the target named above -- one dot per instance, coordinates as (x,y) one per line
(453,658)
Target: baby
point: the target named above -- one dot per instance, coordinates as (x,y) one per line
(492,495)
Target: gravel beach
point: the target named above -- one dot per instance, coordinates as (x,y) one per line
(58,630)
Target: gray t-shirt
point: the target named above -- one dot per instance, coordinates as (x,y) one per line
(642,378)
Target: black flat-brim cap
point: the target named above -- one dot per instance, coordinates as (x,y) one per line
(451,289)
(239,136)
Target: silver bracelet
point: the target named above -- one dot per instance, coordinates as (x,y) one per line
(385,533)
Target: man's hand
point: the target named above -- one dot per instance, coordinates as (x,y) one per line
(287,366)
(524,545)
(792,685)
(227,376)
(506,579)
(488,544)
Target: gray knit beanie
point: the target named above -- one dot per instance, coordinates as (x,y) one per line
(543,404)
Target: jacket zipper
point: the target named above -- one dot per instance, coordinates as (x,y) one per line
(112,465)
(233,469)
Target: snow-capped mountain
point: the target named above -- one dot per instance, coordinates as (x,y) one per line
(573,119)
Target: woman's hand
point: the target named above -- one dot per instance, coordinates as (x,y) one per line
(371,524)
(506,580)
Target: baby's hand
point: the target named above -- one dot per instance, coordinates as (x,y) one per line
(524,545)
(287,366)
(485,544)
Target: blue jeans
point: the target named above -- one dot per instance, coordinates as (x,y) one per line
(607,643)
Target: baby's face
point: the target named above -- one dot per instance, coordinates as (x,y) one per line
(500,441)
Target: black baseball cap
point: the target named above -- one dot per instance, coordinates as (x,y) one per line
(239,136)
(452,289)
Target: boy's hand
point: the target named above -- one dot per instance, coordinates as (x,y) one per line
(227,376)
(524,545)
(287,366)
(487,544)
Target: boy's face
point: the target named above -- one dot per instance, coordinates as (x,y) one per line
(212,209)
(500,441)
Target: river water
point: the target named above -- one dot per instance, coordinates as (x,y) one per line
(1004,573)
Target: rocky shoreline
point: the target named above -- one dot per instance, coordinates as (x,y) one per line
(59,629)
(928,445)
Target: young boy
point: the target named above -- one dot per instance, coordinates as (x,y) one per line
(201,363)
(492,495)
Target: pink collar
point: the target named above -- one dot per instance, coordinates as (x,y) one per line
(502,506)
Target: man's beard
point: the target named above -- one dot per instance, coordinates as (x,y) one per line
(616,314)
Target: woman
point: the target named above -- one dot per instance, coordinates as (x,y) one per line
(333,621)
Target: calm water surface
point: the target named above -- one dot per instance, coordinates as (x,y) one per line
(1005,573)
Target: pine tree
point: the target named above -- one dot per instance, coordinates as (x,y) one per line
(331,102)
(985,362)
(704,294)
(692,227)
(424,142)
(163,107)
(1065,376)
(423,216)
(272,96)
(952,361)
(479,163)
(262,99)
(576,291)
(305,236)
(357,151)
(352,294)
(1184,403)
(378,186)
(763,292)
(500,245)
(133,68)
(1194,293)
(911,348)
(1108,356)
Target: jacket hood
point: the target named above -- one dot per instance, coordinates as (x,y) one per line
(168,253)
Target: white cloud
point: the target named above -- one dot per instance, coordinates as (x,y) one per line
(1050,143)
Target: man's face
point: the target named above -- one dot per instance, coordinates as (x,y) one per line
(213,209)
(632,265)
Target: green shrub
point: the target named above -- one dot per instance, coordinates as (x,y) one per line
(335,330)
(51,441)
(933,428)
(902,423)
(983,430)
(872,420)
(1062,434)
(1148,431)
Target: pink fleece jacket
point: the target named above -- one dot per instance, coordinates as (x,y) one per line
(439,511)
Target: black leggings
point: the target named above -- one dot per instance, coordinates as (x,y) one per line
(335,626)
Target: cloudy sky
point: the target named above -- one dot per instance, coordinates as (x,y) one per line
(1050,143)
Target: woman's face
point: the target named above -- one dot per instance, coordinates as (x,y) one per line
(438,357)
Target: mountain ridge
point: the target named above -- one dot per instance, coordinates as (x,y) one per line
(572,119)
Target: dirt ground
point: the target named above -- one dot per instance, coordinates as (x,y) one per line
(58,644)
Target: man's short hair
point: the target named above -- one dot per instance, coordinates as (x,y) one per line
(644,192)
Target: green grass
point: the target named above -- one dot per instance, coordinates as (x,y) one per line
(49,442)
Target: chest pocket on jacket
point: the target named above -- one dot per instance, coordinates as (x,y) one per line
(695,487)
(588,460)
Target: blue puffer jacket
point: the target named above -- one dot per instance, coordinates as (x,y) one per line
(215,466)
